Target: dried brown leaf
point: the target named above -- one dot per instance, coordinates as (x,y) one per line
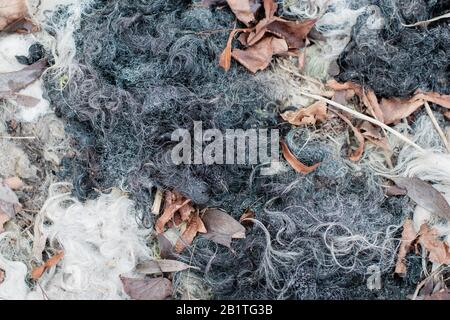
(194,225)
(14,17)
(12,82)
(259,56)
(270,8)
(438,250)
(371,102)
(245,10)
(356,154)
(37,272)
(147,289)
(408,237)
(160,266)
(294,32)
(317,112)
(425,195)
(225,56)
(294,162)
(395,109)
(434,97)
(173,202)
(221,227)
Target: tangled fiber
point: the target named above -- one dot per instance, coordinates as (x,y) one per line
(395,60)
(100,240)
(148,68)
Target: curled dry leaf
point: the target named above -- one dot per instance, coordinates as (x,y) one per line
(173,203)
(14,17)
(225,56)
(434,97)
(409,235)
(245,10)
(147,289)
(221,227)
(294,32)
(160,266)
(294,162)
(425,195)
(246,217)
(438,250)
(12,82)
(317,112)
(356,154)
(36,273)
(194,225)
(259,56)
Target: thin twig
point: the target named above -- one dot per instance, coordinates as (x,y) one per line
(437,127)
(447,15)
(364,117)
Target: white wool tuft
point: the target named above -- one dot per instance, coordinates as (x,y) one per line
(101,241)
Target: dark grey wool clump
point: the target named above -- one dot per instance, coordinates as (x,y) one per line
(396,60)
(151,67)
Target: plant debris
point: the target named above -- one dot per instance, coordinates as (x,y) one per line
(269,37)
(37,272)
(148,288)
(315,113)
(14,17)
(425,195)
(221,227)
(409,235)
(161,266)
(294,162)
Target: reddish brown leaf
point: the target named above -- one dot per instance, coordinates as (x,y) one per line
(225,56)
(195,225)
(221,227)
(317,112)
(14,16)
(294,32)
(356,154)
(36,273)
(259,56)
(147,289)
(371,102)
(246,217)
(425,195)
(438,250)
(434,97)
(270,8)
(245,10)
(408,237)
(172,203)
(294,162)
(395,109)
